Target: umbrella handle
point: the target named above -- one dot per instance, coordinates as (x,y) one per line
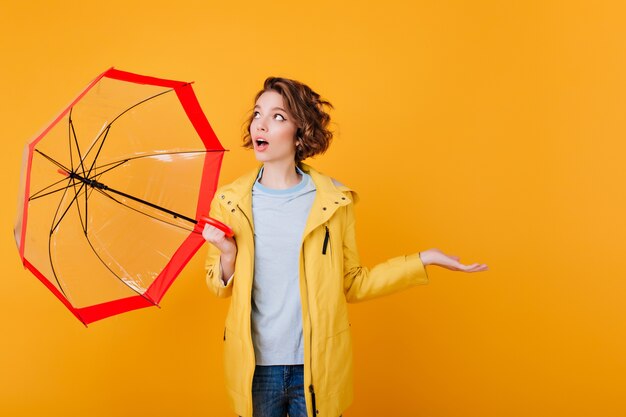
(208,220)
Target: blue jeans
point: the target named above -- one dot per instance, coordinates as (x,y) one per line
(278,391)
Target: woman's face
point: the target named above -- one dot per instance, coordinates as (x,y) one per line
(273,130)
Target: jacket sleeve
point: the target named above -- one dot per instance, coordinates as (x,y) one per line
(361,283)
(212,264)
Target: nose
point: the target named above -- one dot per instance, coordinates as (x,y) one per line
(260,125)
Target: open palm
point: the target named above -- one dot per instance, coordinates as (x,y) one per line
(437,257)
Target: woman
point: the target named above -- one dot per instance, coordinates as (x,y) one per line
(293,265)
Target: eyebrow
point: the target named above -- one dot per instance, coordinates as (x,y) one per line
(275,108)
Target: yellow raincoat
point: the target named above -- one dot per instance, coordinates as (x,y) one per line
(331,275)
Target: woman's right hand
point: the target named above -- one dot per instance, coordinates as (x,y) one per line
(226,245)
(216,237)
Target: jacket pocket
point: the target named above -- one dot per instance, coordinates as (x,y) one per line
(337,362)
(234,362)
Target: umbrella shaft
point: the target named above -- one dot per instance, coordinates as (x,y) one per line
(91,183)
(101,186)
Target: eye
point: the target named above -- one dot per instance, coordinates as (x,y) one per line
(256,115)
(279,117)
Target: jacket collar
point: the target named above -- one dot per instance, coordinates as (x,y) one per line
(329,196)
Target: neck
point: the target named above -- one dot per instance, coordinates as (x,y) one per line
(280,176)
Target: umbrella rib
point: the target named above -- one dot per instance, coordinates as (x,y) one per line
(87,193)
(54,273)
(117,164)
(95,252)
(70,128)
(83,220)
(142,212)
(117,117)
(139,103)
(121,161)
(73,134)
(68,206)
(93,163)
(86,224)
(53,161)
(36,195)
(83,223)
(50,245)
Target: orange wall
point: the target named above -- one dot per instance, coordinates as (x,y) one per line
(488,129)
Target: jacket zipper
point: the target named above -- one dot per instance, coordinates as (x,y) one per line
(326,239)
(306,283)
(324,250)
(313,398)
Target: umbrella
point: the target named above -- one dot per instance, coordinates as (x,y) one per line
(113,192)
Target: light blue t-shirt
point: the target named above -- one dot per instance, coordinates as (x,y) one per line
(279,220)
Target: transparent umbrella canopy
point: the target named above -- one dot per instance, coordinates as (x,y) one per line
(112,192)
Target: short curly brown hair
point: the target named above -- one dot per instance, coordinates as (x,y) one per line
(308,110)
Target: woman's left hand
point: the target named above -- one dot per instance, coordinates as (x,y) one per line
(437,257)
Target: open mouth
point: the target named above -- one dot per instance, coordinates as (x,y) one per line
(261,144)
